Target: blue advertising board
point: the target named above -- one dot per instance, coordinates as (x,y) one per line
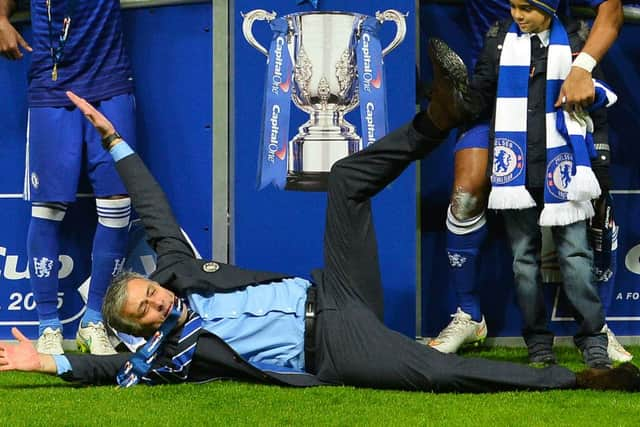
(495,277)
(278,230)
(166,44)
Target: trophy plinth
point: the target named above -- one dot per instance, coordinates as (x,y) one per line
(321,141)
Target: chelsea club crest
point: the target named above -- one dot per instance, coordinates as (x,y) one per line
(559,173)
(508,161)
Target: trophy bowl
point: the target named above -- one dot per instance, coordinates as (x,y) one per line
(322,47)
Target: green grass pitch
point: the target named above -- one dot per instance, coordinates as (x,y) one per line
(34,399)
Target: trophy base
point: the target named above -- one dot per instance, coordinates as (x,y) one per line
(307,181)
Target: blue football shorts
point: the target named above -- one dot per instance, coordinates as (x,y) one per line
(59,139)
(476,137)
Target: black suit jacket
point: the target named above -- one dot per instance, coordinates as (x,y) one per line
(179,270)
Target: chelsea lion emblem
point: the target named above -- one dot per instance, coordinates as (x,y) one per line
(508,161)
(559,173)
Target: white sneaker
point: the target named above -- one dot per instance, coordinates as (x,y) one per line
(616,351)
(93,339)
(461,331)
(50,342)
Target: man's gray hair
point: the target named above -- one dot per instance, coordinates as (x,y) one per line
(114,301)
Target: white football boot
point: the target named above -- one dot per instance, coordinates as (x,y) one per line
(616,351)
(50,342)
(94,339)
(460,331)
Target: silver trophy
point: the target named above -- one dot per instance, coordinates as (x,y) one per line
(325,85)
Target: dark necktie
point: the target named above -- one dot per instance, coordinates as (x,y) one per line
(537,48)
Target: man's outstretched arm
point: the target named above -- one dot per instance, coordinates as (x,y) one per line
(24,357)
(79,368)
(164,233)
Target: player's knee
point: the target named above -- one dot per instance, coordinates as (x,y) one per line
(466,205)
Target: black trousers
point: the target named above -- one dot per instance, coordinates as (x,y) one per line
(353,346)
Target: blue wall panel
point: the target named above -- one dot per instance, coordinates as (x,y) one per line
(170,49)
(282,230)
(449,22)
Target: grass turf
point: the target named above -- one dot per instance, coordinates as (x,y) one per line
(34,399)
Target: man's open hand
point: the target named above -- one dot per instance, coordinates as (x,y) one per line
(21,356)
(97,119)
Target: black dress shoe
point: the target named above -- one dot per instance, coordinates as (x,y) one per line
(450,103)
(625,377)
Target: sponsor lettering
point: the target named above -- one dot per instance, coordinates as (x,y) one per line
(371,126)
(276,78)
(275,130)
(630,296)
(367,73)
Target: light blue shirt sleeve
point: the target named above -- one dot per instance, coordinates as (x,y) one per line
(62,364)
(120,151)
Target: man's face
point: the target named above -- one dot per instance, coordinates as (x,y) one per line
(530,19)
(148,304)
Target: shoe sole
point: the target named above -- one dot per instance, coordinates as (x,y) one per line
(476,343)
(471,344)
(50,354)
(451,63)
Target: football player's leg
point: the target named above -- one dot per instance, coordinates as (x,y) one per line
(466,232)
(54,151)
(113,207)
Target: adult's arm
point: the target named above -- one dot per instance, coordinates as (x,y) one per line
(163,232)
(94,370)
(10,38)
(22,356)
(79,368)
(578,90)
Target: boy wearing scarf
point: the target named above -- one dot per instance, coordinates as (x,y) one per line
(541,174)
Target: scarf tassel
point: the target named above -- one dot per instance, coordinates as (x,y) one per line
(510,198)
(558,214)
(584,185)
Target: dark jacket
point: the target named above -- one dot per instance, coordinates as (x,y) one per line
(484,85)
(179,271)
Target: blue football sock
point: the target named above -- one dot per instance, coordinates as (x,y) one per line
(91,315)
(43,250)
(50,323)
(464,239)
(109,251)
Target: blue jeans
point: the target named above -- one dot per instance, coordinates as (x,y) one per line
(575,259)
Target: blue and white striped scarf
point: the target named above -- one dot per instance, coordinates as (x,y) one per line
(570,183)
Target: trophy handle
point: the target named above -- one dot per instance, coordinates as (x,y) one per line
(247,25)
(398,18)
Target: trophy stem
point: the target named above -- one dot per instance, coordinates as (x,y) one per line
(324,139)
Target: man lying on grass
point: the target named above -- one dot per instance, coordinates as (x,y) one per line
(205,320)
